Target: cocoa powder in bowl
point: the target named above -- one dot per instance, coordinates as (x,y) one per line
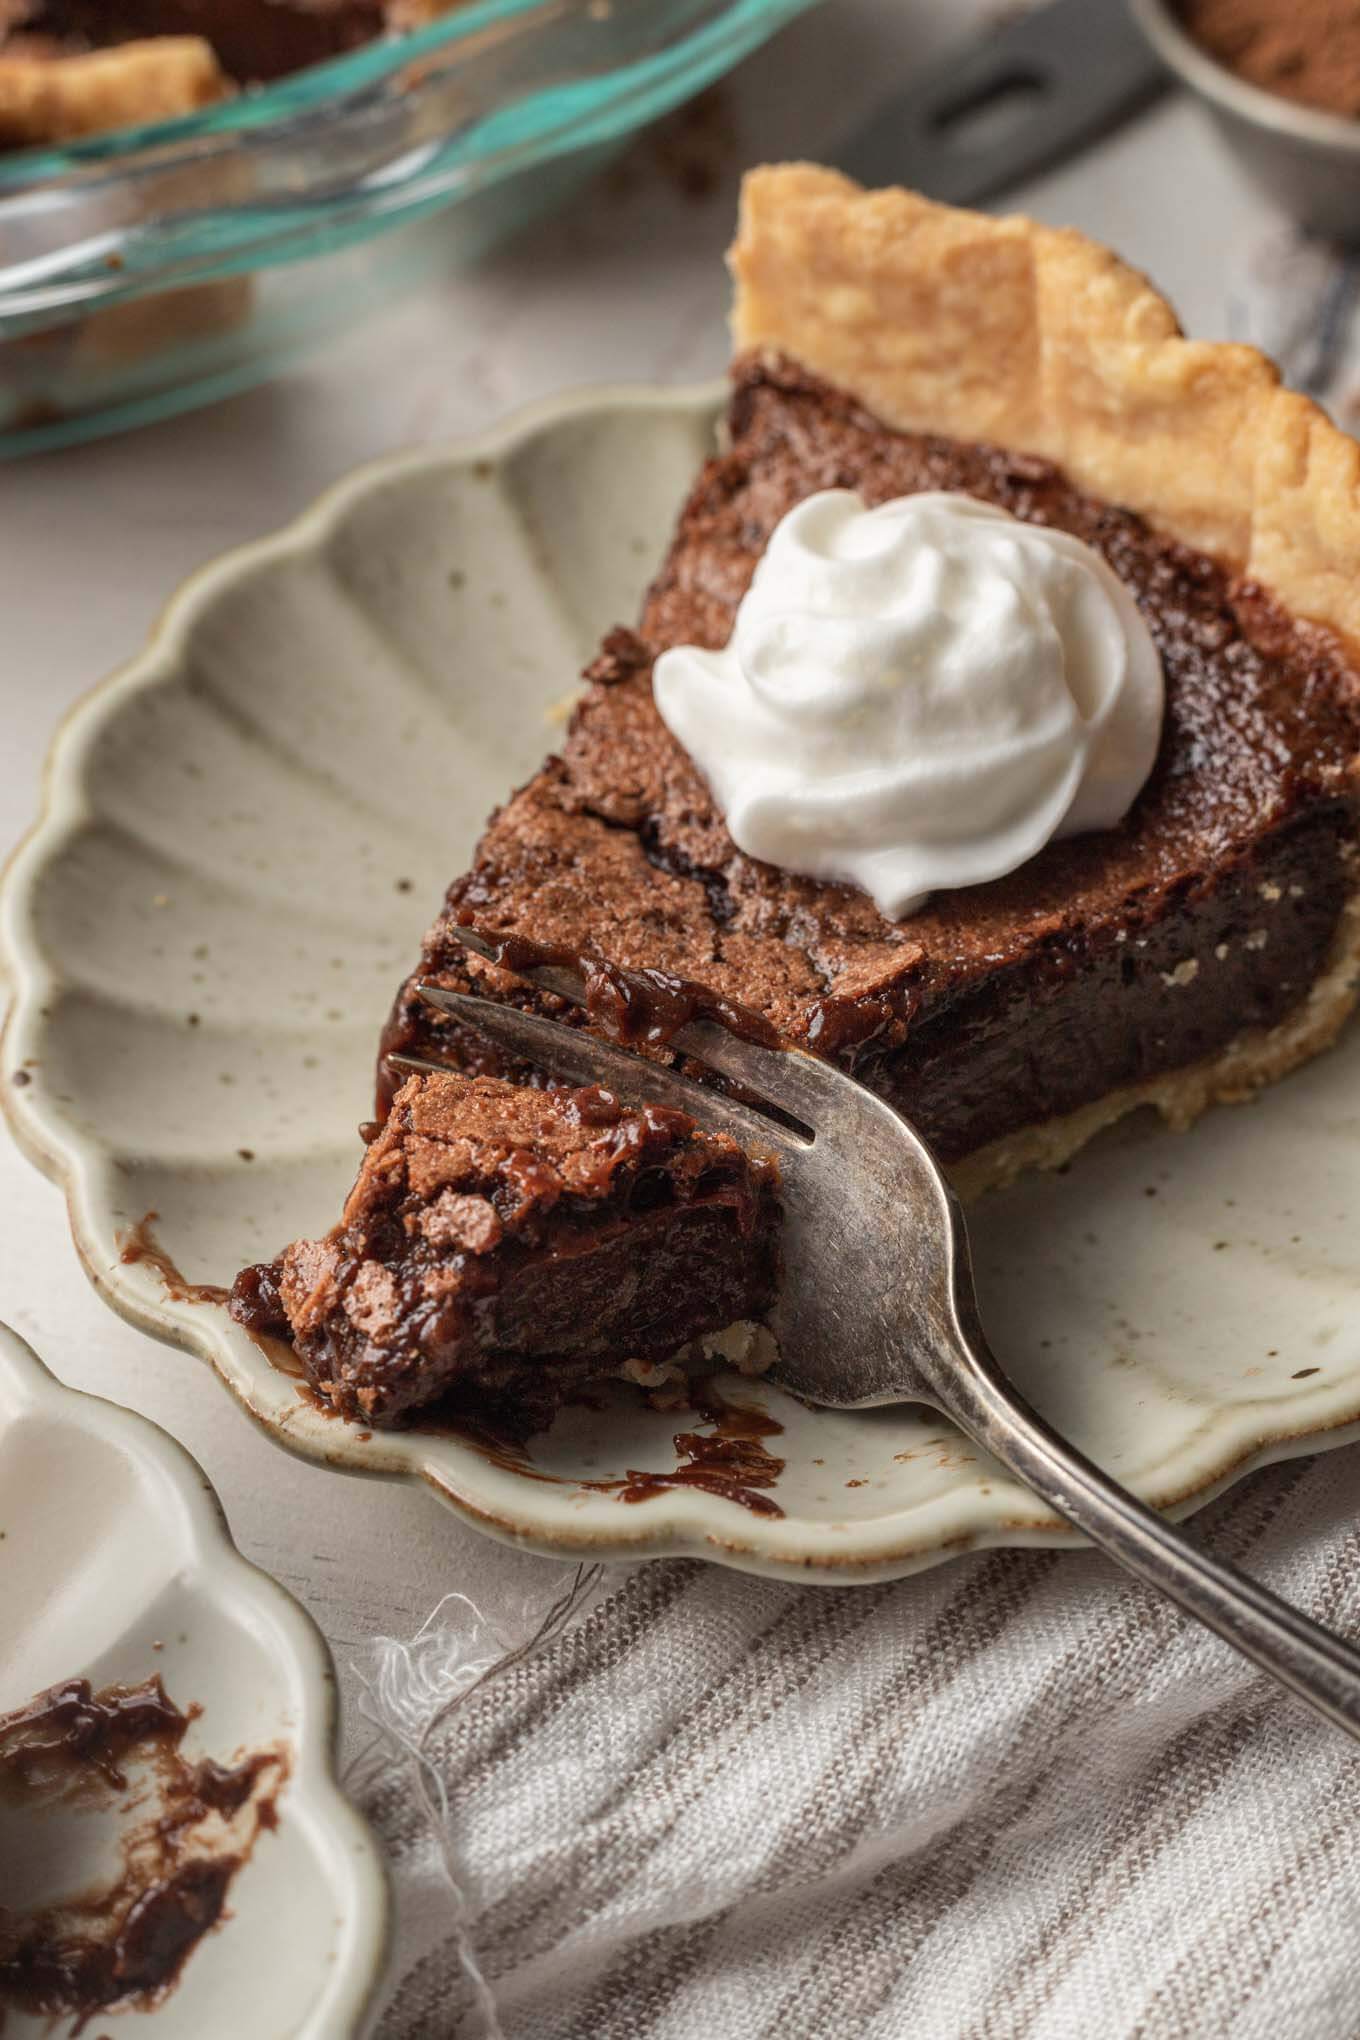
(1304,50)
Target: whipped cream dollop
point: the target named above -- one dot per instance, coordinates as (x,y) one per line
(919,696)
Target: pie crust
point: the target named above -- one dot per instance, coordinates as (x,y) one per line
(1037,339)
(62,98)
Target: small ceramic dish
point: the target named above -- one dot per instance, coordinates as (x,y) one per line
(1305,159)
(116,1563)
(247,830)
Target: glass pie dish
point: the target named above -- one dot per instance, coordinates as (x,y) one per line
(148,270)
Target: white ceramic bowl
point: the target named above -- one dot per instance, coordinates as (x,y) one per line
(1300,157)
(245,833)
(117,1563)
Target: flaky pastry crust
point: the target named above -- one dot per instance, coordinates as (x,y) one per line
(1038,339)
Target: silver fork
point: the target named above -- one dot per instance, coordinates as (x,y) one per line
(878,1302)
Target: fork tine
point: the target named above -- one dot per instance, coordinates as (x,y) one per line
(581,1058)
(798,1083)
(549,977)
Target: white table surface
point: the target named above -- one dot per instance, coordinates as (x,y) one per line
(93,540)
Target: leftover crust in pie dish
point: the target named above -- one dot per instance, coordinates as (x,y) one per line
(1202,947)
(70,68)
(46,97)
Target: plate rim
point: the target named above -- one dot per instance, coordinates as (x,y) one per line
(674,1524)
(227,1578)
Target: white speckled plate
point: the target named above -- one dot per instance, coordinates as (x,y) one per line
(115,1564)
(246,832)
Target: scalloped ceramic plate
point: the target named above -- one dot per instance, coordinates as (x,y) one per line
(143,1577)
(246,832)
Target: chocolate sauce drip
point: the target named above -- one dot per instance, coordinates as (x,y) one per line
(634,1007)
(127,1942)
(70,1727)
(139,1243)
(733,1461)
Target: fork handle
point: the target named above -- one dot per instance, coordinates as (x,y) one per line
(1319,1668)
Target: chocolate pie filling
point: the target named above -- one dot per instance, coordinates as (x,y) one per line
(504,1245)
(1107,959)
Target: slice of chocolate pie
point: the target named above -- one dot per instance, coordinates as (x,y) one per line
(1012,639)
(1202,946)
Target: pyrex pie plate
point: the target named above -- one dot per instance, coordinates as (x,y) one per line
(115,1564)
(245,833)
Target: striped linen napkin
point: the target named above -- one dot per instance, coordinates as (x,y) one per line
(1015,1796)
